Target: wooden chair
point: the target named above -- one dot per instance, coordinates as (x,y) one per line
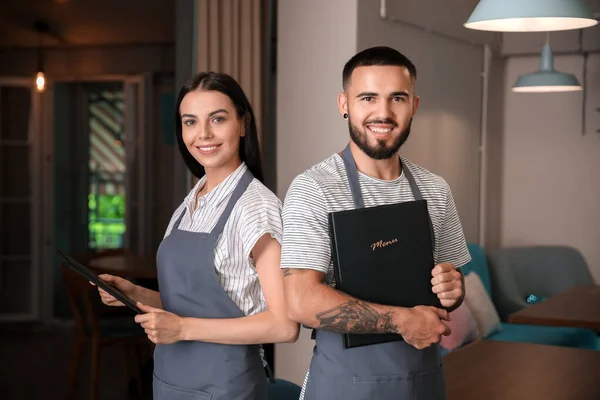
(100,325)
(109,252)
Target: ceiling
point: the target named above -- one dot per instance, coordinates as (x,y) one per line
(447,16)
(87,22)
(113,22)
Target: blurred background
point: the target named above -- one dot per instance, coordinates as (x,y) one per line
(88,162)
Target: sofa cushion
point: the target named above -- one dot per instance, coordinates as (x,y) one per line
(481,306)
(550,335)
(444,352)
(478,264)
(463,326)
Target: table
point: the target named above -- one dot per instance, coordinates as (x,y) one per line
(495,370)
(125,265)
(577,307)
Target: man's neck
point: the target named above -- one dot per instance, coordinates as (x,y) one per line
(388,169)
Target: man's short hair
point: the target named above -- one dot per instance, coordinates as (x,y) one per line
(377,56)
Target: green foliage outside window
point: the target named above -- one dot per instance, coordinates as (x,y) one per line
(106,220)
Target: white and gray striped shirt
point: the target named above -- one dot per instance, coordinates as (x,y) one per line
(256,213)
(324,188)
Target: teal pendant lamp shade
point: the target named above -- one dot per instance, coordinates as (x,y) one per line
(530,15)
(546,79)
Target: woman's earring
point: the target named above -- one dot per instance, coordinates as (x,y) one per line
(345,115)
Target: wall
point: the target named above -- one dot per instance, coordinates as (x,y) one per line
(315,39)
(185,65)
(521,43)
(544,147)
(66,62)
(165,157)
(436,16)
(494,157)
(446,130)
(86,22)
(551,189)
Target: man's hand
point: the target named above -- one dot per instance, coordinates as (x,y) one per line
(161,326)
(448,284)
(424,326)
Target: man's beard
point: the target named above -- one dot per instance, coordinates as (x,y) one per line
(380,151)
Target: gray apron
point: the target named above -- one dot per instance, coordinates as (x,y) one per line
(189,287)
(386,371)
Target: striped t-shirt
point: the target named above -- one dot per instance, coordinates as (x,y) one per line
(324,188)
(256,213)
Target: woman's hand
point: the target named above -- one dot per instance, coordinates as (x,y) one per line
(128,289)
(269,326)
(162,327)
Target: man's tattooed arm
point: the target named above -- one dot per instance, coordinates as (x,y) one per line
(288,272)
(307,296)
(356,316)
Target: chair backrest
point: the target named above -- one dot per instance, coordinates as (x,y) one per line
(540,270)
(110,253)
(479,265)
(283,390)
(84,300)
(79,292)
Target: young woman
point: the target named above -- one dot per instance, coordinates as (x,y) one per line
(220,283)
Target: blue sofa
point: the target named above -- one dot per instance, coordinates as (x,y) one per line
(535,272)
(283,390)
(557,336)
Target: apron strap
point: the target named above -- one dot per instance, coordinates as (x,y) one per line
(411,181)
(235,196)
(350,166)
(351,172)
(418,196)
(180,218)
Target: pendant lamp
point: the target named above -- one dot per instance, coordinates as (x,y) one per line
(547,79)
(530,15)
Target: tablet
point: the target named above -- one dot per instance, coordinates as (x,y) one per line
(95,279)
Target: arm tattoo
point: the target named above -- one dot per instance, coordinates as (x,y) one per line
(356,316)
(292,271)
(288,272)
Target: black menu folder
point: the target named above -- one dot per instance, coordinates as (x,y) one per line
(85,272)
(383,255)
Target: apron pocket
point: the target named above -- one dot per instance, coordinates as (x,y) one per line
(165,391)
(430,385)
(386,387)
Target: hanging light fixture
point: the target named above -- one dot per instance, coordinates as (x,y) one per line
(40,79)
(546,79)
(530,15)
(40,82)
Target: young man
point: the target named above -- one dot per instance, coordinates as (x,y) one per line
(379,103)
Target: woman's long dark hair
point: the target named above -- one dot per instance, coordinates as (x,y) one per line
(249,146)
